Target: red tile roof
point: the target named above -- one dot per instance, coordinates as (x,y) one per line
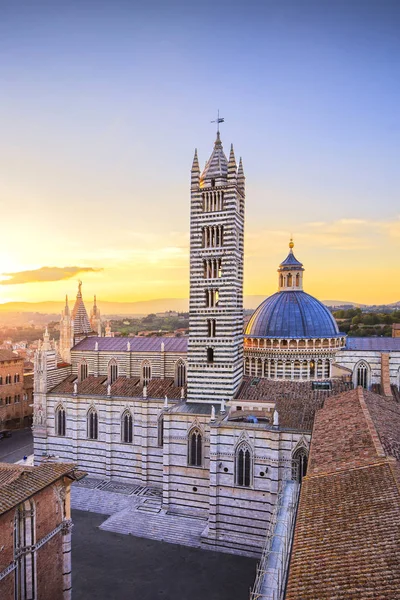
(122,386)
(6,355)
(347,534)
(18,482)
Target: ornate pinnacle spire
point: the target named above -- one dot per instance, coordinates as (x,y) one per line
(232,167)
(79,294)
(195,176)
(240,175)
(195,165)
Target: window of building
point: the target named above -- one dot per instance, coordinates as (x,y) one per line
(127,427)
(146,372)
(8,400)
(160,430)
(24,538)
(92,424)
(362,375)
(211,327)
(60,421)
(299,464)
(17,398)
(243,463)
(83,370)
(1,381)
(8,379)
(112,370)
(195,448)
(210,355)
(16,378)
(180,374)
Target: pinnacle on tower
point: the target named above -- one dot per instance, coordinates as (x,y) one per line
(232,167)
(240,175)
(195,173)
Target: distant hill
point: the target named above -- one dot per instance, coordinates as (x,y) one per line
(140,308)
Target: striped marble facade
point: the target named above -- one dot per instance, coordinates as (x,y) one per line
(215,351)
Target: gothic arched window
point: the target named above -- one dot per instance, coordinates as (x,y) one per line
(299,464)
(146,372)
(127,427)
(112,370)
(160,430)
(180,373)
(83,370)
(195,457)
(92,424)
(60,421)
(243,464)
(362,375)
(210,355)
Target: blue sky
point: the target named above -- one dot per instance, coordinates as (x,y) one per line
(102,106)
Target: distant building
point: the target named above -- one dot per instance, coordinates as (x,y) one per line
(396,330)
(35,531)
(15,397)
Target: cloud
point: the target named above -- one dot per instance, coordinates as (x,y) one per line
(45,274)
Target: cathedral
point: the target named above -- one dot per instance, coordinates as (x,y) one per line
(218,422)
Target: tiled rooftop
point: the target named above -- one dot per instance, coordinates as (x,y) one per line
(377,344)
(347,532)
(137,344)
(18,483)
(122,386)
(8,355)
(296,401)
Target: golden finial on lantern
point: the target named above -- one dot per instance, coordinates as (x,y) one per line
(291,243)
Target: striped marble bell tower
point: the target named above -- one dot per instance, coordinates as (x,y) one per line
(215,352)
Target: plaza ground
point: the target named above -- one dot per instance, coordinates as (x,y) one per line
(112,566)
(17,446)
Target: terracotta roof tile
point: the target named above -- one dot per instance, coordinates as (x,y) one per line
(17,482)
(347,532)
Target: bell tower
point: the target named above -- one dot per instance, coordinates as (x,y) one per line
(215,351)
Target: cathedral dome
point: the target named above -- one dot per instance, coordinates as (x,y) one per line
(292,314)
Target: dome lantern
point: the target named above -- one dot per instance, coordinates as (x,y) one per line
(290,272)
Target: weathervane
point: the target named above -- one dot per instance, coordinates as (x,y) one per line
(218,120)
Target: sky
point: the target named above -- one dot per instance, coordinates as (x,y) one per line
(103,103)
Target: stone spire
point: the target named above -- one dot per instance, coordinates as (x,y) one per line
(81,324)
(46,340)
(195,172)
(95,319)
(216,170)
(240,175)
(232,167)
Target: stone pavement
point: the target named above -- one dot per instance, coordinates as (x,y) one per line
(135,510)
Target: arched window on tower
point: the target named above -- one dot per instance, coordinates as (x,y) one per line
(60,421)
(146,372)
(299,464)
(297,279)
(289,280)
(112,370)
(92,424)
(195,457)
(83,370)
(180,374)
(127,427)
(243,465)
(210,355)
(362,375)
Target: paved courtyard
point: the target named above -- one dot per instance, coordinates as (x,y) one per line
(112,566)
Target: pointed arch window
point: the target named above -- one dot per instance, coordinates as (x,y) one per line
(195,456)
(180,374)
(92,424)
(299,464)
(362,375)
(160,430)
(146,372)
(112,370)
(127,427)
(60,421)
(83,370)
(244,465)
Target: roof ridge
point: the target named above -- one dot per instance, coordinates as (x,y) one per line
(346,467)
(370,424)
